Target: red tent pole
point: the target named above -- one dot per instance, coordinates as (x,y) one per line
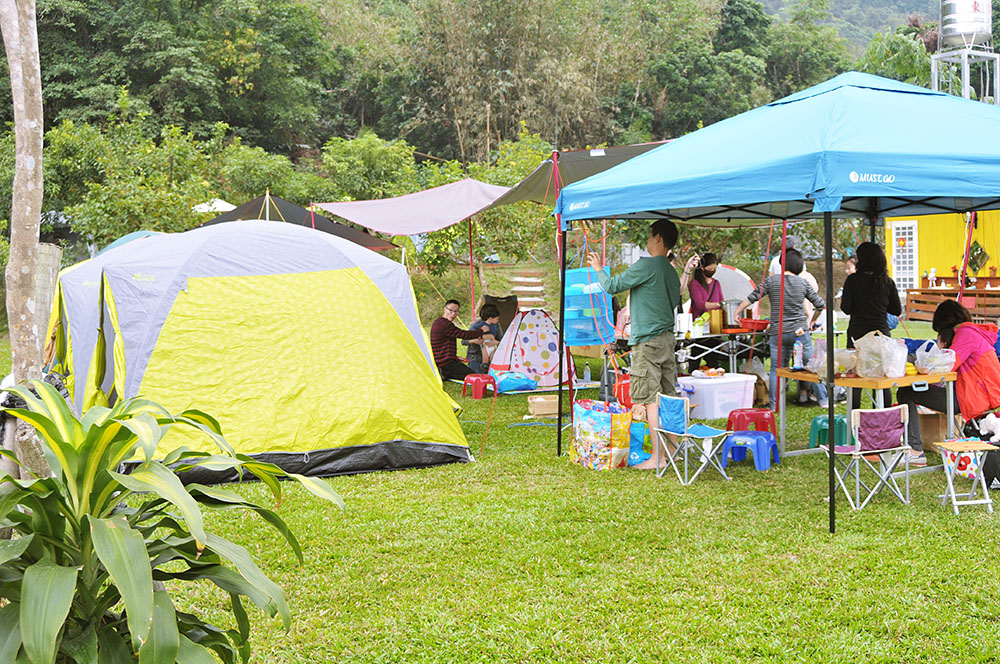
(781,296)
(604,242)
(560,245)
(312,215)
(472,275)
(965,260)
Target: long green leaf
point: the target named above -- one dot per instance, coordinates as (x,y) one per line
(46,596)
(123,552)
(232,500)
(111,647)
(247,568)
(82,647)
(213,462)
(48,430)
(164,641)
(319,488)
(10,633)
(95,416)
(230,581)
(192,653)
(154,476)
(203,418)
(205,423)
(265,472)
(147,431)
(58,409)
(242,619)
(11,549)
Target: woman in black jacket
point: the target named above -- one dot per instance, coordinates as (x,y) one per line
(869,296)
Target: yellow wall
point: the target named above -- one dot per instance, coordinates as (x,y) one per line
(941,241)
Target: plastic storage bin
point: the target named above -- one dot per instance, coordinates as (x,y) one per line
(589,317)
(715,398)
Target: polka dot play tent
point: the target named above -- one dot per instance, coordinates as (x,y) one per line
(530,346)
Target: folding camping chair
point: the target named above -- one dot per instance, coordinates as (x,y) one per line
(701,441)
(881,433)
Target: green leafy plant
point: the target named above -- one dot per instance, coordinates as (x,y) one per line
(77,579)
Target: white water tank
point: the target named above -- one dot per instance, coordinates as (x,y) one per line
(966,22)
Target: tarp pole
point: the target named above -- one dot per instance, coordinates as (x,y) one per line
(312,214)
(828,246)
(267,204)
(472,275)
(562,312)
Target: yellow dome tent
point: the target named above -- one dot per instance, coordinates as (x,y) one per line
(305,346)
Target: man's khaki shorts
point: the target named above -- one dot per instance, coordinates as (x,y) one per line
(654,369)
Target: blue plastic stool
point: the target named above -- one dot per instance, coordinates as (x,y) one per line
(762,444)
(819,431)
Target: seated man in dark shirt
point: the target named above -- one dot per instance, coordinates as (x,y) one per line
(444,346)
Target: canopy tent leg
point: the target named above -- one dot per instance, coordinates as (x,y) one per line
(562,319)
(828,251)
(781,292)
(472,276)
(970,222)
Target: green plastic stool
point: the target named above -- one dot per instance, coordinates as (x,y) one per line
(819,430)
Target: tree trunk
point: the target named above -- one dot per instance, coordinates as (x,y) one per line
(20,38)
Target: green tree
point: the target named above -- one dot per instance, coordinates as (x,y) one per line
(744,25)
(804,52)
(262,67)
(368,167)
(696,87)
(895,55)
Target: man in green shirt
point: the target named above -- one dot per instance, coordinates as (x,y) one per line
(654,292)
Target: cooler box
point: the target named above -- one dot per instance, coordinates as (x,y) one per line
(715,398)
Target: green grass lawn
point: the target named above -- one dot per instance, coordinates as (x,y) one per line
(523,556)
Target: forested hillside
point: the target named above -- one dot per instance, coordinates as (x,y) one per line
(858,20)
(451,77)
(153,106)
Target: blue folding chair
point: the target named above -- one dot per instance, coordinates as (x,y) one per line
(695,444)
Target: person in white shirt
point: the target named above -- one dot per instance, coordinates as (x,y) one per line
(775,266)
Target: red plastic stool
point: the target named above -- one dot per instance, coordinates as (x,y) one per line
(478,383)
(761,418)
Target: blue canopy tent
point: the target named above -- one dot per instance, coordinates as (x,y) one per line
(855,146)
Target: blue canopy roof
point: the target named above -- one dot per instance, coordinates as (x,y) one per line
(857,146)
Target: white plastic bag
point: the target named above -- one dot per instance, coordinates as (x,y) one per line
(870,355)
(817,363)
(893,357)
(933,359)
(757,368)
(845,360)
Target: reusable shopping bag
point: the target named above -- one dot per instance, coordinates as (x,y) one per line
(601,434)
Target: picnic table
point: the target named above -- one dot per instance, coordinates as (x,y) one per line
(859,382)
